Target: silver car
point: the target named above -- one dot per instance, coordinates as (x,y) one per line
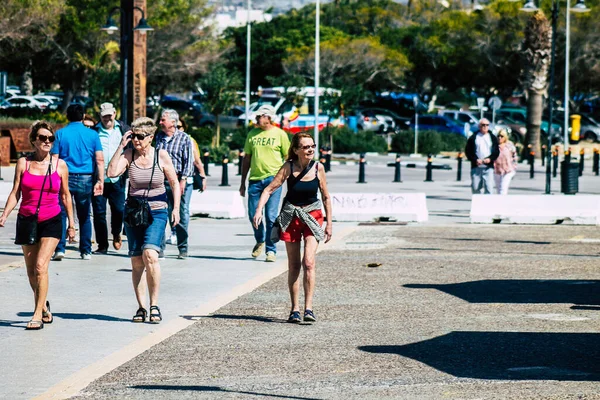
(371,120)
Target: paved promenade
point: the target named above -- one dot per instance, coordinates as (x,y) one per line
(377,336)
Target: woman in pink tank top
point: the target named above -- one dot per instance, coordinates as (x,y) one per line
(39,181)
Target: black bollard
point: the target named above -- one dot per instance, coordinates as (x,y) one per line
(531,164)
(328,159)
(543,155)
(554,163)
(568,156)
(596,162)
(240,161)
(428,169)
(322,158)
(459,167)
(205,160)
(361,169)
(397,173)
(225,175)
(581,161)
(1,179)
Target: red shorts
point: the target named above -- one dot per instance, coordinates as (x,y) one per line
(297,228)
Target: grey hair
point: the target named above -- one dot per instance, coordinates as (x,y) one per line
(144,125)
(172,114)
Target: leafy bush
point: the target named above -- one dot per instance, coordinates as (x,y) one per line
(429,142)
(346,141)
(203,136)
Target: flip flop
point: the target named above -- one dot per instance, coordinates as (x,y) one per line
(47,314)
(34,325)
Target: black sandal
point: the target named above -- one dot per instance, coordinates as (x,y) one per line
(140,315)
(155,318)
(47,314)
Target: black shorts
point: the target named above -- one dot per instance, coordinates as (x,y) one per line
(52,227)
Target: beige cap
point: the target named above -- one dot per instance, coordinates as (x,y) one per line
(107,109)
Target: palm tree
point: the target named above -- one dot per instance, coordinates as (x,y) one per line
(536,56)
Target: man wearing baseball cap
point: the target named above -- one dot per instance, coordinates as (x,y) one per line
(265,151)
(110,131)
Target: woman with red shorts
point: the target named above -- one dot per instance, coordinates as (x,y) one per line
(301,217)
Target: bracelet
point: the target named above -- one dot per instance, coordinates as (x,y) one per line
(71,227)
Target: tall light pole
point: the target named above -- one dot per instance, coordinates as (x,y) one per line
(248,43)
(133,85)
(317,66)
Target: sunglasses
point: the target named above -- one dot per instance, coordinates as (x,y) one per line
(484,124)
(309,146)
(179,126)
(139,136)
(44,138)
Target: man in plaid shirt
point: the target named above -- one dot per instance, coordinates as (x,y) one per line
(179,146)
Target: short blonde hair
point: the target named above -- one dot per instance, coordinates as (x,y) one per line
(503,132)
(143,125)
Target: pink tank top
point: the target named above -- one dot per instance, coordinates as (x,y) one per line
(31,185)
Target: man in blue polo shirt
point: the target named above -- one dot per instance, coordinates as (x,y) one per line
(81,150)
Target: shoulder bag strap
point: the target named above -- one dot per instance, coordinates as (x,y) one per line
(37,211)
(300,175)
(153,168)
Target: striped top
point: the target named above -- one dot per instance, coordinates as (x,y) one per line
(139,178)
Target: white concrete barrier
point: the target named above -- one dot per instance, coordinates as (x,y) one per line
(5,188)
(535,209)
(218,204)
(401,207)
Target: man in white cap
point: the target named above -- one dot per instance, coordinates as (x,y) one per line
(110,132)
(265,151)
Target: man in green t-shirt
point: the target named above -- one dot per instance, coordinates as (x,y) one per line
(266,150)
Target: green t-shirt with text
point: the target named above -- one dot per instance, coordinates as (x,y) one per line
(268,150)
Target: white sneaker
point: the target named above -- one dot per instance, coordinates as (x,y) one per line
(58,256)
(86,256)
(172,240)
(271,257)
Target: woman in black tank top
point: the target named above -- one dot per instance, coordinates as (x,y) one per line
(301,218)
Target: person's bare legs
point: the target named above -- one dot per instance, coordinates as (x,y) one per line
(37,259)
(294,267)
(150,258)
(139,286)
(309,264)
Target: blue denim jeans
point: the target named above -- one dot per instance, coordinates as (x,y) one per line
(255,189)
(81,188)
(115,194)
(181,229)
(150,237)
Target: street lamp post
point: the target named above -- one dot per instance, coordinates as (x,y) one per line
(579,7)
(416,104)
(248,53)
(317,67)
(127,75)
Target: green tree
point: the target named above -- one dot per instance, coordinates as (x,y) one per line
(219,86)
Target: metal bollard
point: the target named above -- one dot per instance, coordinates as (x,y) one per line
(554,163)
(397,173)
(459,158)
(581,161)
(225,175)
(429,169)
(206,160)
(361,169)
(568,156)
(543,155)
(531,166)
(328,159)
(322,159)
(596,162)
(240,161)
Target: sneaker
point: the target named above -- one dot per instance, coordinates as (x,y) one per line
(161,255)
(86,256)
(172,240)
(58,256)
(309,316)
(257,250)
(294,317)
(100,251)
(182,255)
(271,256)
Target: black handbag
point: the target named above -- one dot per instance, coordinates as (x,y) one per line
(27,227)
(137,209)
(198,180)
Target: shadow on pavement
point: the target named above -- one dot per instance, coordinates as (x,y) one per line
(223,258)
(198,388)
(235,317)
(507,355)
(11,253)
(521,291)
(98,317)
(13,324)
(487,251)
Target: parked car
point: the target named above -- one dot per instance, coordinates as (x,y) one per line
(27,102)
(467,117)
(439,123)
(370,119)
(519,114)
(192,109)
(518,130)
(53,102)
(589,129)
(399,121)
(86,102)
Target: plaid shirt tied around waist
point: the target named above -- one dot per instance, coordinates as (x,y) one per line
(289,211)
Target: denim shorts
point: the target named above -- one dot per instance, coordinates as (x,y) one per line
(150,237)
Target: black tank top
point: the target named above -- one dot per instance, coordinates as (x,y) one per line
(303,193)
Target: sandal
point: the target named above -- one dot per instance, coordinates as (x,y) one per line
(47,314)
(35,325)
(309,316)
(294,317)
(155,318)
(140,315)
